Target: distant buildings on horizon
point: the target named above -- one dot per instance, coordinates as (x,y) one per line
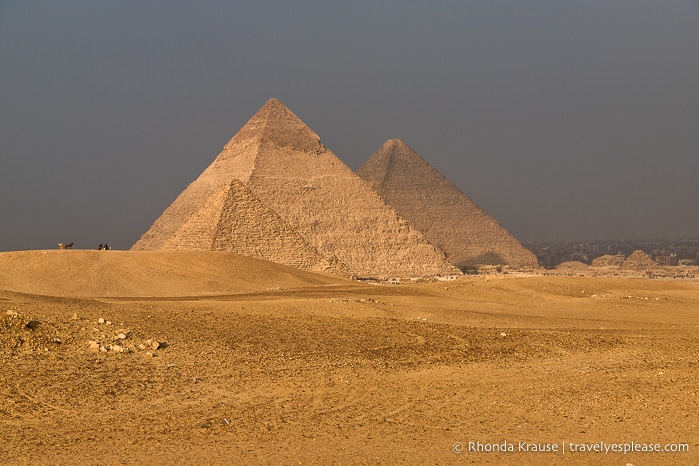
(664,252)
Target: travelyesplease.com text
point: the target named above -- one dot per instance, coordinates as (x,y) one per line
(564,447)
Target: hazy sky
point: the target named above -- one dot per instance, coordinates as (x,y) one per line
(563,120)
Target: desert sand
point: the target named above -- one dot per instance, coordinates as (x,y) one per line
(214,358)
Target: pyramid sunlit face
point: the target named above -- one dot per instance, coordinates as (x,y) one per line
(276,192)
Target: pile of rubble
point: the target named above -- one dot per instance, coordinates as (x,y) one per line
(121,340)
(19,333)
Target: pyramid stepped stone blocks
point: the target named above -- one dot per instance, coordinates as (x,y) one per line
(638,260)
(234,220)
(438,209)
(276,192)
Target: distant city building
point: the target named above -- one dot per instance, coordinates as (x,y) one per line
(667,261)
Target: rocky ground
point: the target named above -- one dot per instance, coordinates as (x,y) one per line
(353,373)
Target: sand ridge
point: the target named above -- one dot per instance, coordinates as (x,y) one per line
(91,273)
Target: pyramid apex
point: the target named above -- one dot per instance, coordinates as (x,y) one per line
(274,103)
(391,150)
(395,142)
(275,123)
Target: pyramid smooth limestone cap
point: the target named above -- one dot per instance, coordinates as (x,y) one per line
(275,123)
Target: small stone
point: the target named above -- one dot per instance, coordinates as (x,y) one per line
(93,345)
(503,334)
(33,324)
(141,346)
(121,336)
(75,316)
(103,349)
(11,313)
(148,342)
(156,345)
(117,348)
(100,320)
(109,322)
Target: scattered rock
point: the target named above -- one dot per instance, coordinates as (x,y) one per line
(100,320)
(93,345)
(33,324)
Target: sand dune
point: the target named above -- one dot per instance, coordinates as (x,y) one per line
(84,273)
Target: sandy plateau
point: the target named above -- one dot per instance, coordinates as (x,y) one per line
(210,358)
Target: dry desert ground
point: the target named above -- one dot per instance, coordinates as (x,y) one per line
(214,358)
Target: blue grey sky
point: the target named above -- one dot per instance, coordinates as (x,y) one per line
(570,120)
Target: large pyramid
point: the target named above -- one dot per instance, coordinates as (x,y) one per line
(436,207)
(276,193)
